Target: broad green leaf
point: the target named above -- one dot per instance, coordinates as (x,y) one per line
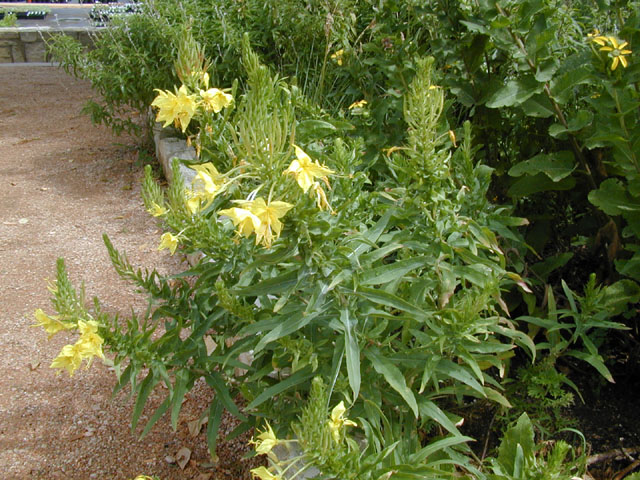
(537,106)
(392,271)
(563,86)
(393,377)
(549,264)
(515,92)
(613,199)
(297,378)
(539,183)
(620,294)
(308,130)
(556,165)
(581,120)
(520,435)
(546,69)
(352,351)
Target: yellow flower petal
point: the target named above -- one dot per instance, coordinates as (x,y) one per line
(263,474)
(168,241)
(157,210)
(337,421)
(265,441)
(51,324)
(305,170)
(176,108)
(215,99)
(69,359)
(246,221)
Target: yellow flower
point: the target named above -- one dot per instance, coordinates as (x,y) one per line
(69,358)
(207,183)
(90,343)
(263,474)
(359,104)
(215,99)
(305,170)
(256,216)
(269,216)
(157,210)
(321,197)
(338,56)
(51,324)
(175,108)
(168,241)
(338,421)
(242,218)
(595,37)
(265,441)
(617,52)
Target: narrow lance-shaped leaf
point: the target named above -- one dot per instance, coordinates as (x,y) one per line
(352,351)
(393,377)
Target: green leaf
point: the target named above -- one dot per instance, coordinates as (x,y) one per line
(215,416)
(309,130)
(270,286)
(146,387)
(422,454)
(352,351)
(520,435)
(546,69)
(515,92)
(562,87)
(539,183)
(286,326)
(595,361)
(613,199)
(458,372)
(556,165)
(537,106)
(428,409)
(157,415)
(215,381)
(389,300)
(393,271)
(550,264)
(179,389)
(393,377)
(299,377)
(620,294)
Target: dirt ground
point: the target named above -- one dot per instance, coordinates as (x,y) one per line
(63,183)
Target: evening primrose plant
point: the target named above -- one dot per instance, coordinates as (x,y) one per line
(309,269)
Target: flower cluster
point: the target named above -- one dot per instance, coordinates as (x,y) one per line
(180,107)
(252,215)
(89,344)
(614,48)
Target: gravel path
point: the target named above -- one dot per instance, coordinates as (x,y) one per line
(63,183)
